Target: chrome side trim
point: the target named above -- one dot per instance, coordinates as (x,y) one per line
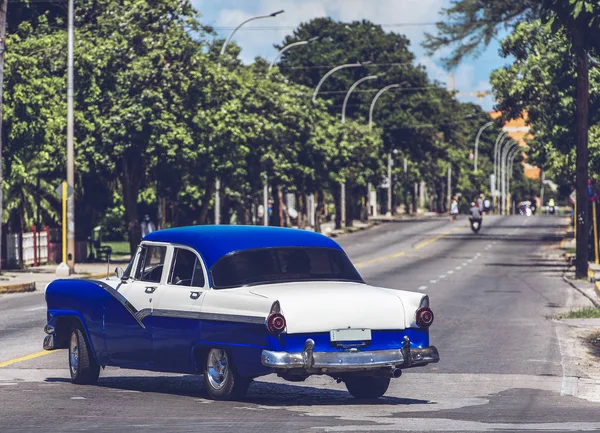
(197,315)
(50,342)
(49,329)
(403,357)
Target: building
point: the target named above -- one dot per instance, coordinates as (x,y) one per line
(518,130)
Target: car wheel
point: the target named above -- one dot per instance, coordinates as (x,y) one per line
(83,366)
(220,377)
(367,387)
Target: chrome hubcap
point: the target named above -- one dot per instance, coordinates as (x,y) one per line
(217,367)
(74,353)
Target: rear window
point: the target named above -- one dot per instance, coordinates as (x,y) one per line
(276,265)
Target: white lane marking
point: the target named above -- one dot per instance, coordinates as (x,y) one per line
(450,272)
(442,276)
(477,255)
(7,383)
(423,288)
(465,264)
(42,307)
(458,268)
(433,281)
(78,398)
(470,260)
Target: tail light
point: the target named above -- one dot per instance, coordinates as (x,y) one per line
(424,317)
(276,323)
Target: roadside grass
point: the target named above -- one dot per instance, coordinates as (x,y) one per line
(584,313)
(119,248)
(570,251)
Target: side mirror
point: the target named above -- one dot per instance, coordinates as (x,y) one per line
(119,272)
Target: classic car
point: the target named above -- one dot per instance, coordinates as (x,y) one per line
(237,302)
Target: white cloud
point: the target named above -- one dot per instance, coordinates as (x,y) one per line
(383,12)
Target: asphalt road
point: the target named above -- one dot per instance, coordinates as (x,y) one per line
(505,364)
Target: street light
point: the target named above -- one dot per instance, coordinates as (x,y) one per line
(337,68)
(287,47)
(351,89)
(273,15)
(477,144)
(504,161)
(343,184)
(217,180)
(511,160)
(371,108)
(501,136)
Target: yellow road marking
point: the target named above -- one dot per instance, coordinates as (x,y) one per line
(380,259)
(26,358)
(432,240)
(402,253)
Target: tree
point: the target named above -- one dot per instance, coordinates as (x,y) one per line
(471,25)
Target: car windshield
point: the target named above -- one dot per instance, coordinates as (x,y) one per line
(284,264)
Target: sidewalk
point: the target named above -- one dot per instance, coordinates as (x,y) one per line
(31,279)
(328,228)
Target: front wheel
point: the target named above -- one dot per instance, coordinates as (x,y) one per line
(84,368)
(367,387)
(220,377)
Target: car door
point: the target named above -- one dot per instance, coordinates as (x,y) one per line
(128,325)
(176,311)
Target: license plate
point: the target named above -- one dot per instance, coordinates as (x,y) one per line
(350,335)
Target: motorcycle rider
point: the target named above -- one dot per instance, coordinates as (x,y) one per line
(475,213)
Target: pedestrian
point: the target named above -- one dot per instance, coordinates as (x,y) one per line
(480,202)
(453,209)
(486,206)
(147,225)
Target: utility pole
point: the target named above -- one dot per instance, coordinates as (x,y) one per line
(581,164)
(449,186)
(70,147)
(389,191)
(3,9)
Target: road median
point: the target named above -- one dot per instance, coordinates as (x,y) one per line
(17,288)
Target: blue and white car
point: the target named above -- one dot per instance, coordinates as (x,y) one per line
(237,302)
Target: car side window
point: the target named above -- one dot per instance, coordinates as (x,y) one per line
(186,269)
(151,263)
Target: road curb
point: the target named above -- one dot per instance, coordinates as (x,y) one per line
(597,289)
(17,288)
(101,276)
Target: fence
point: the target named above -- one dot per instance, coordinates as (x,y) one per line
(35,249)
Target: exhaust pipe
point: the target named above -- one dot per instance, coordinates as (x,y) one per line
(395,372)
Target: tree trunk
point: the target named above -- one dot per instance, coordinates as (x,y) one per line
(276,217)
(581,258)
(317,209)
(338,207)
(349,205)
(21,231)
(131,183)
(205,205)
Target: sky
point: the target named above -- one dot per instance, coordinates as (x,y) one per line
(409,17)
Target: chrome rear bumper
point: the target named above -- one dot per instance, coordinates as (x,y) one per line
(351,360)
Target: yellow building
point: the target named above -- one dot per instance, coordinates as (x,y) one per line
(518,130)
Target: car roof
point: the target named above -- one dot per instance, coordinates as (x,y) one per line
(214,242)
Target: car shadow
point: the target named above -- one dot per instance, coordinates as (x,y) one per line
(259,393)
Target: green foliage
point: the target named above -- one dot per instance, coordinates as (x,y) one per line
(160,117)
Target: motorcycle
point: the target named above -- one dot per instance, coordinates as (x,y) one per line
(475,224)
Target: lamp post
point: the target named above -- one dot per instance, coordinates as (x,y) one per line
(344,105)
(337,68)
(314,99)
(501,136)
(371,108)
(477,144)
(504,161)
(511,160)
(287,47)
(223,48)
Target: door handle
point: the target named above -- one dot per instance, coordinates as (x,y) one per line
(150,289)
(194,295)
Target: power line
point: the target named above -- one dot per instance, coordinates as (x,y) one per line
(398,89)
(263,28)
(331,66)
